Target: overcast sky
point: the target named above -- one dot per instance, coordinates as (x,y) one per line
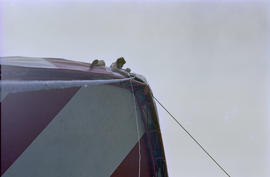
(208,62)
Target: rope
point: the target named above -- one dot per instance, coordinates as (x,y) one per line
(137,126)
(193,138)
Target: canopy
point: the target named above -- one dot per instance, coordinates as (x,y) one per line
(65,118)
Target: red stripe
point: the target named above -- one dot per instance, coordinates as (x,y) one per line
(130,165)
(23,117)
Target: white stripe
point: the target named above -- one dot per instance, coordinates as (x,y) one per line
(27,62)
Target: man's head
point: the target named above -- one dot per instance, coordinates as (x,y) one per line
(120,62)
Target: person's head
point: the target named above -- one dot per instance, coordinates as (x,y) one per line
(120,62)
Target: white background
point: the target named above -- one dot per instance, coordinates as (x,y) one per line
(207,61)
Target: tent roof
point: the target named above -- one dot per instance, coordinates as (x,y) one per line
(33,68)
